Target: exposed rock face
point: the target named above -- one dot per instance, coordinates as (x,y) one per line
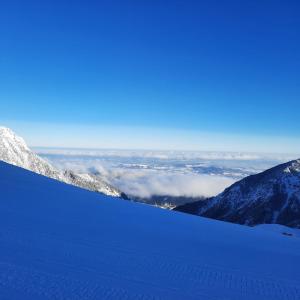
(272,196)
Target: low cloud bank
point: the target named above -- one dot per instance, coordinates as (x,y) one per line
(147,182)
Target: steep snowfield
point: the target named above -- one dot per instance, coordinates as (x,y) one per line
(60,242)
(14,150)
(272,196)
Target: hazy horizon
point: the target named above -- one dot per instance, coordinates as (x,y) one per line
(156,139)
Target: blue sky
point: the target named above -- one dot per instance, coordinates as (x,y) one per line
(152,74)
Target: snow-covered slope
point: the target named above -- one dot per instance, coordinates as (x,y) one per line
(14,150)
(280,229)
(60,242)
(272,196)
(93,183)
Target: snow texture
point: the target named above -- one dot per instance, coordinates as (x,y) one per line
(60,242)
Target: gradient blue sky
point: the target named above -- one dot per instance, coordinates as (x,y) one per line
(152,74)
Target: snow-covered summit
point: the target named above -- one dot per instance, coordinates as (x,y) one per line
(13,150)
(272,196)
(7,135)
(294,166)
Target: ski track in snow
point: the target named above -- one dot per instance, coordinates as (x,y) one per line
(60,242)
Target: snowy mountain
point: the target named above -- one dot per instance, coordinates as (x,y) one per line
(60,242)
(272,196)
(14,150)
(93,183)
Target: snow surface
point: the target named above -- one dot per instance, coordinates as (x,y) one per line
(280,229)
(60,242)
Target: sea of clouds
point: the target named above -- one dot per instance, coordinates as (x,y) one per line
(172,173)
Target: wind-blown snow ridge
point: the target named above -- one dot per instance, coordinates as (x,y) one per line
(14,150)
(60,242)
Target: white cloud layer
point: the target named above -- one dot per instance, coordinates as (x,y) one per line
(173,173)
(148,182)
(145,183)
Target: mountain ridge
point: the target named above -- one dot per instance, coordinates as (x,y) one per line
(14,150)
(272,196)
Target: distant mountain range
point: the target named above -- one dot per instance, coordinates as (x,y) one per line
(272,196)
(14,150)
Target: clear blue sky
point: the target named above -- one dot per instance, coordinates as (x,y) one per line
(214,68)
